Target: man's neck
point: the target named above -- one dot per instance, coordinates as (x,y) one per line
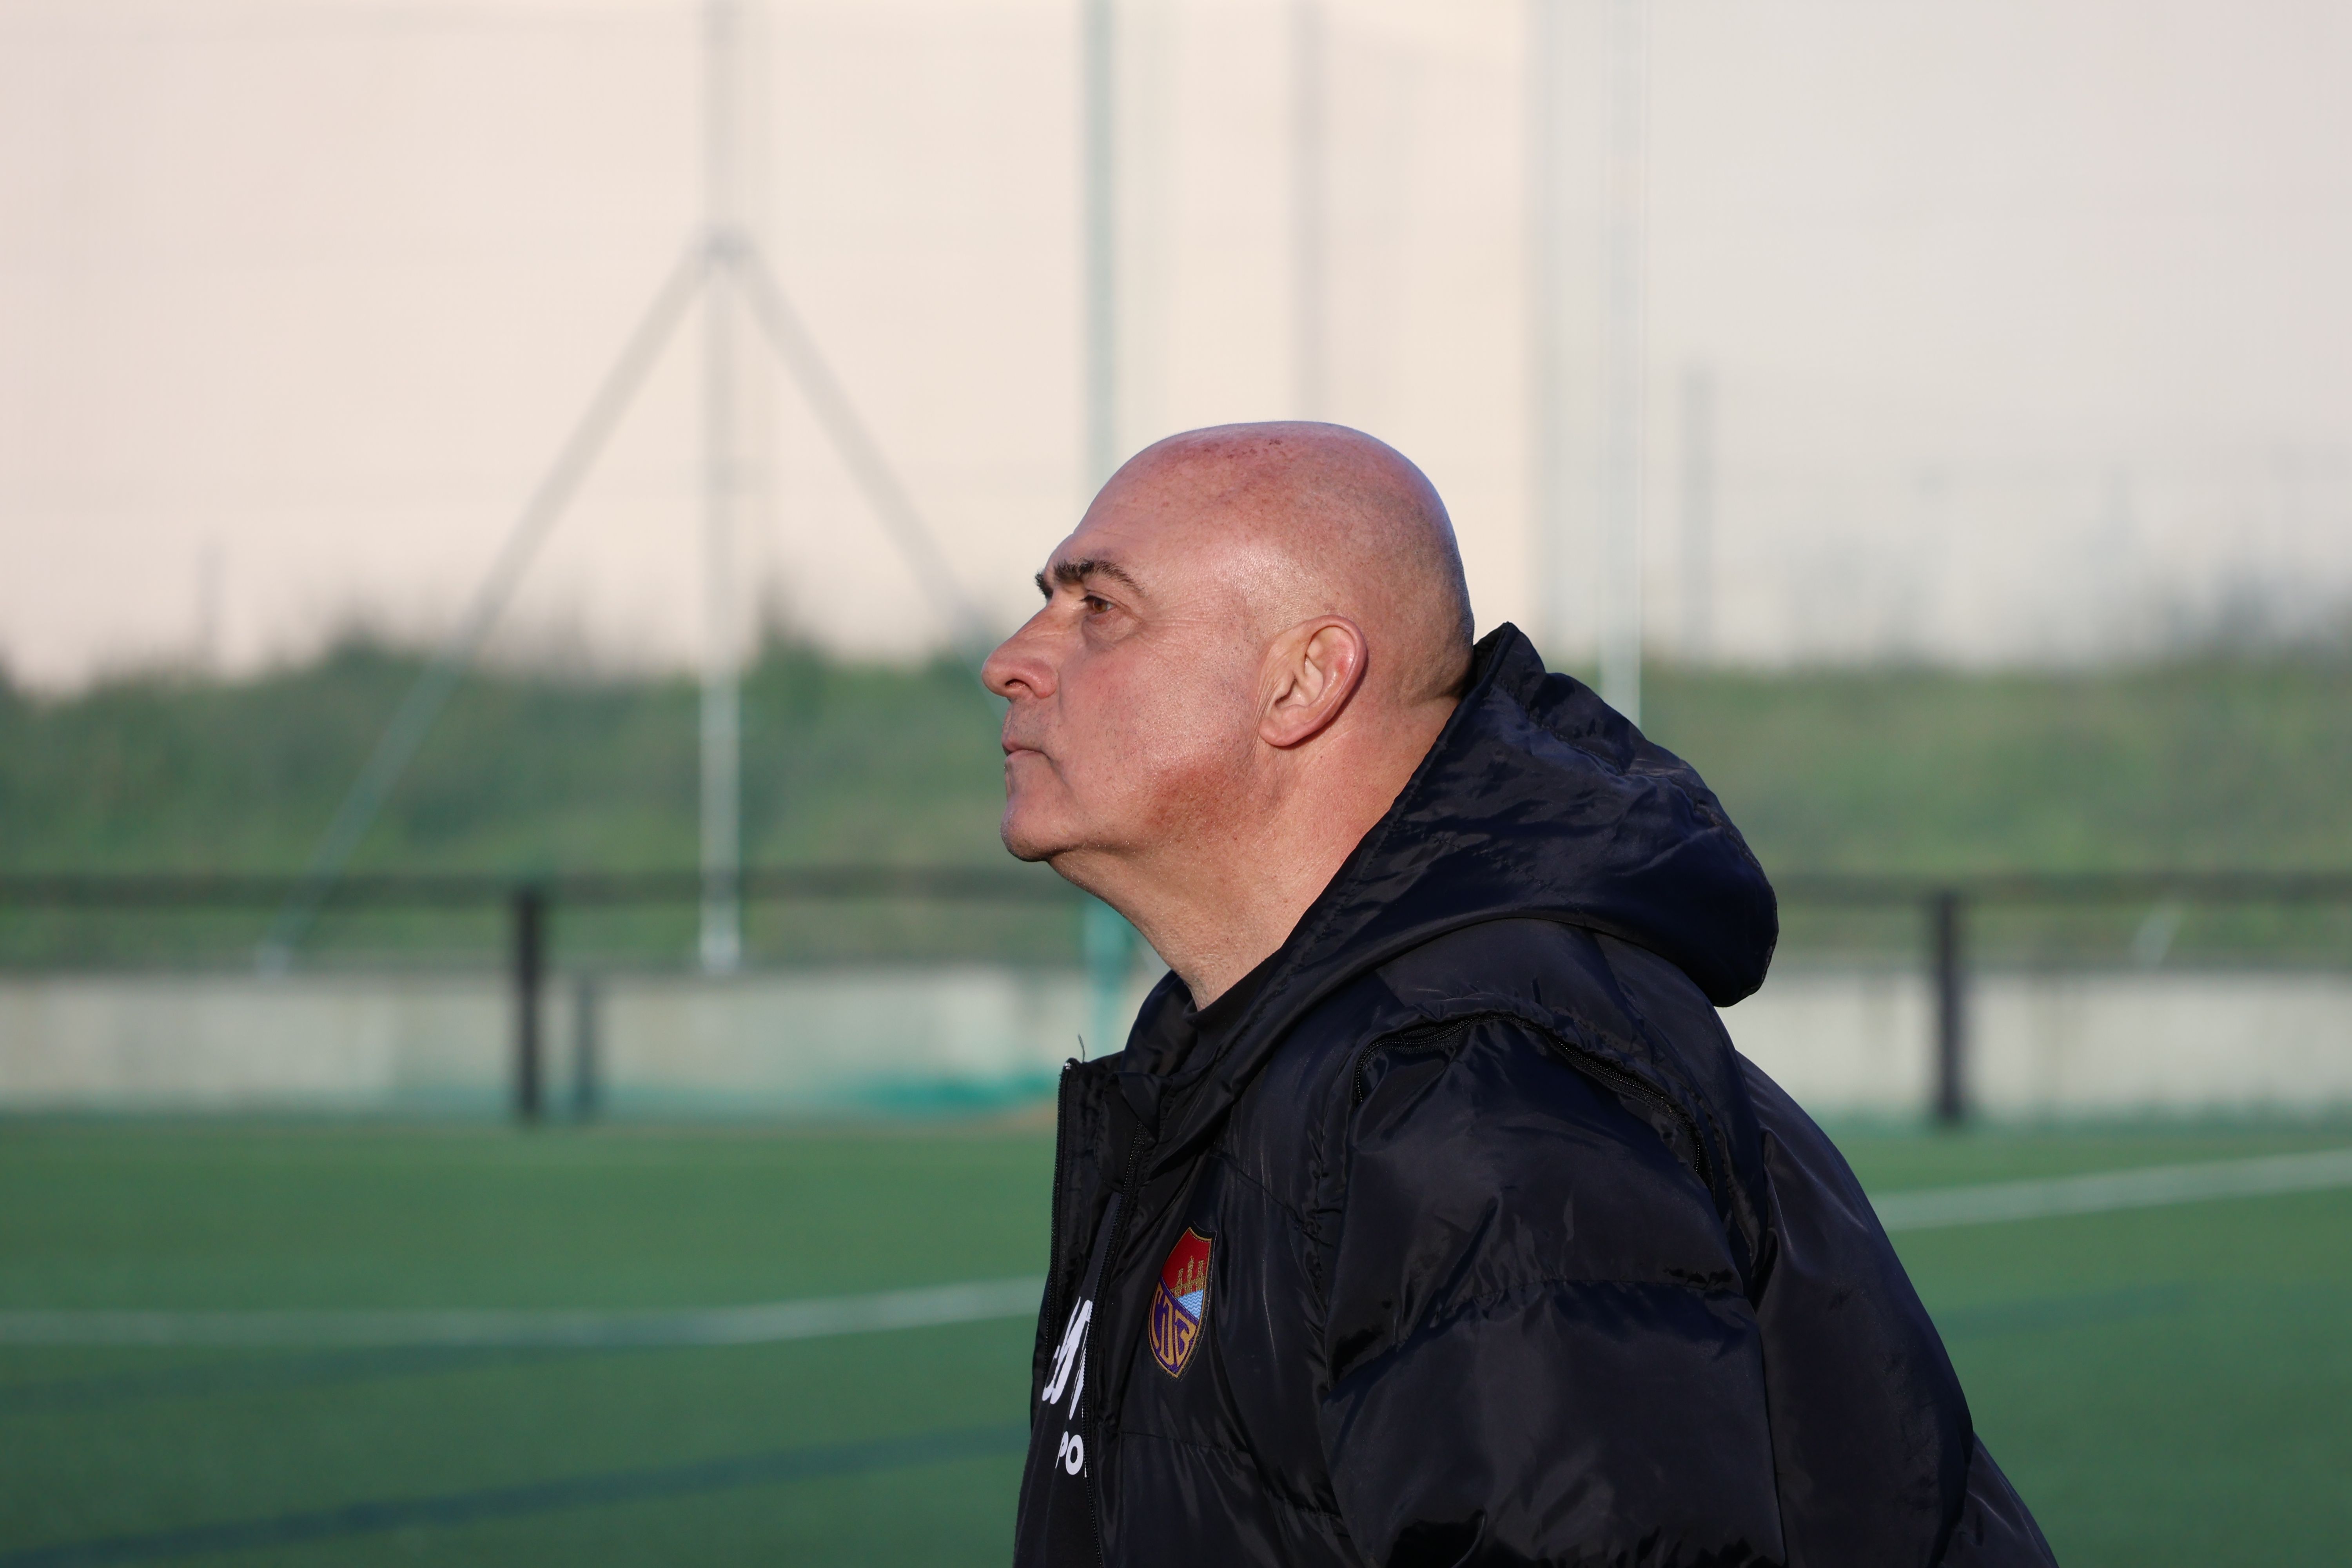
(1217,904)
(1212,929)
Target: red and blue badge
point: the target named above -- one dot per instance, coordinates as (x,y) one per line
(1178,1304)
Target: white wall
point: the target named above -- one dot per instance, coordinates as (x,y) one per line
(875,1039)
(895,1039)
(2060,1044)
(238,1043)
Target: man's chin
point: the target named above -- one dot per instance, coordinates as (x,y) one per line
(1057,846)
(1025,841)
(1020,850)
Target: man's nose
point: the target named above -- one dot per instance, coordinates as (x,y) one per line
(1019,667)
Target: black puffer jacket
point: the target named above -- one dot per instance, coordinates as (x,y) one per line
(1473,1241)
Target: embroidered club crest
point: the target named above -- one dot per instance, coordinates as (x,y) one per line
(1178,1305)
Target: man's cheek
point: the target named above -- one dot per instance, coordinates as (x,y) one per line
(1184,776)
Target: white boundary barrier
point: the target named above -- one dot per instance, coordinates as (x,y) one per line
(879,1039)
(2061,1043)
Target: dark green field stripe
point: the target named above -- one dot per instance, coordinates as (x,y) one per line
(262,1374)
(452,1509)
(2043,1313)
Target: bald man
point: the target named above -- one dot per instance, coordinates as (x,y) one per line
(1428,1215)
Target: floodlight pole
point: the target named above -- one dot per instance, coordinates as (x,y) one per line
(1624,200)
(1098,199)
(1108,940)
(723,271)
(1698,515)
(1549,506)
(721,946)
(1309,243)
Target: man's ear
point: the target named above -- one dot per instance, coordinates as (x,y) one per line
(1311,671)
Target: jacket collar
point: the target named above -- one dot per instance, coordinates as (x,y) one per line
(1537,800)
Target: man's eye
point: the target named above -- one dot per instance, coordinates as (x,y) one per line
(1095,605)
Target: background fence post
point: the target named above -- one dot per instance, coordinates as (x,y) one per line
(1944,915)
(530,975)
(587,1072)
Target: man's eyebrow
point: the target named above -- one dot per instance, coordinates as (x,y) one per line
(1074,575)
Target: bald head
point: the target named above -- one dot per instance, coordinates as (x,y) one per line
(1318,520)
(1247,646)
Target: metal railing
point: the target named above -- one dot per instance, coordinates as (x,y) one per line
(1947,907)
(531,903)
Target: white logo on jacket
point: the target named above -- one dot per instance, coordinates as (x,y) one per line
(1070,1372)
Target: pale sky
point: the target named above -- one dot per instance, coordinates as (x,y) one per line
(2026,319)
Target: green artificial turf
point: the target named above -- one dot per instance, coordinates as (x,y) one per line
(2165,1385)
(105,1443)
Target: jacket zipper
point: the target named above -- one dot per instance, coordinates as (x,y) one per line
(1091,1420)
(1050,1312)
(1419,1037)
(1426,1036)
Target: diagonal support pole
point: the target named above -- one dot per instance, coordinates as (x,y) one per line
(434,684)
(790,338)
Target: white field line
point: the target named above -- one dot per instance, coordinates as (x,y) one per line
(982,1300)
(971,1302)
(2151,1186)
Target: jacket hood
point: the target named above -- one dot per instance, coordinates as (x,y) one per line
(1537,800)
